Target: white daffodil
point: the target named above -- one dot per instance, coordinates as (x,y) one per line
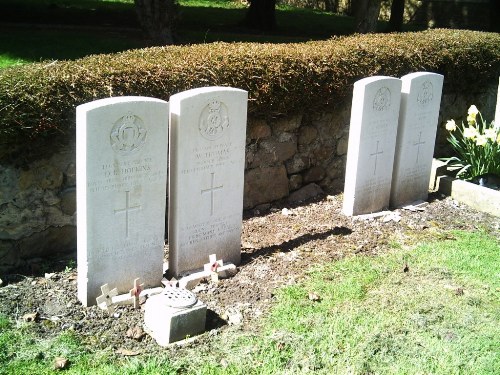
(481,140)
(451,125)
(470,132)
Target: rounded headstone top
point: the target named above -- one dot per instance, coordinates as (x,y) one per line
(179,298)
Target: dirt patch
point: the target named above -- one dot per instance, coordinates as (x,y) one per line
(278,247)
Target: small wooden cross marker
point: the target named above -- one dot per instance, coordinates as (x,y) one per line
(136,291)
(212,266)
(105,300)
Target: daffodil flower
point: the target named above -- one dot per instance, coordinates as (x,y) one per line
(470,132)
(451,125)
(471,119)
(495,125)
(476,145)
(481,140)
(472,113)
(490,133)
(473,110)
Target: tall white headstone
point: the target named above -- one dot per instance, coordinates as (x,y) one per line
(206,176)
(418,118)
(497,109)
(372,140)
(121,193)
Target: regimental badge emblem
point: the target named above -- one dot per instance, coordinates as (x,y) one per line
(382,100)
(128,134)
(425,94)
(213,120)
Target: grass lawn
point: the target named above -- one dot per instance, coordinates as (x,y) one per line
(361,315)
(28,33)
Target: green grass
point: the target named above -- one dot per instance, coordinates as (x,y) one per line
(31,46)
(22,351)
(375,318)
(29,37)
(440,317)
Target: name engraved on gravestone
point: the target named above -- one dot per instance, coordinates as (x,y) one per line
(207,158)
(420,102)
(372,138)
(121,187)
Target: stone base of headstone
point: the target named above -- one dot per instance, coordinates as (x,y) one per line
(168,324)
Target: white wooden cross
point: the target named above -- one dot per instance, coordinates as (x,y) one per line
(212,266)
(135,292)
(105,300)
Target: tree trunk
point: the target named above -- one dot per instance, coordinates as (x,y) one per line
(495,16)
(331,6)
(397,14)
(158,18)
(366,15)
(261,15)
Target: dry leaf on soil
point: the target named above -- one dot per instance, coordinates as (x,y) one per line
(61,363)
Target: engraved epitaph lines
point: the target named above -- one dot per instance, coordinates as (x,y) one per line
(376,154)
(211,190)
(126,210)
(418,143)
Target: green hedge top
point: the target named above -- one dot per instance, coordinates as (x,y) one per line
(39,100)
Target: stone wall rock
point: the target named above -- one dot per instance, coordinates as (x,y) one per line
(37,208)
(263,185)
(303,194)
(296,156)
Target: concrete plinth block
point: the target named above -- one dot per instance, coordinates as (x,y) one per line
(167,324)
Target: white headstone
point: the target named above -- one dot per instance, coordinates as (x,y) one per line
(121,193)
(206,176)
(497,109)
(372,139)
(418,118)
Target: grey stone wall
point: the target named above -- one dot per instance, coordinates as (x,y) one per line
(291,157)
(37,208)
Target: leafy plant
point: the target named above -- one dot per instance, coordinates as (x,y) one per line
(476,144)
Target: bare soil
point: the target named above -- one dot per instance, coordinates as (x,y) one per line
(278,247)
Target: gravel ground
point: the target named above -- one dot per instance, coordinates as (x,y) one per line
(278,246)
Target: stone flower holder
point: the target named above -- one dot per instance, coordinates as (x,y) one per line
(481,198)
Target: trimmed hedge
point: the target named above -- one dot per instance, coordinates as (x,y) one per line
(39,100)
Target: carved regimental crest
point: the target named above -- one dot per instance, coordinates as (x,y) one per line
(128,134)
(213,120)
(425,94)
(382,100)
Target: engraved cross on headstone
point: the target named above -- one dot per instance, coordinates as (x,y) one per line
(211,190)
(376,154)
(126,210)
(419,142)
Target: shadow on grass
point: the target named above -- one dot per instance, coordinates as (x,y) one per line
(32,44)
